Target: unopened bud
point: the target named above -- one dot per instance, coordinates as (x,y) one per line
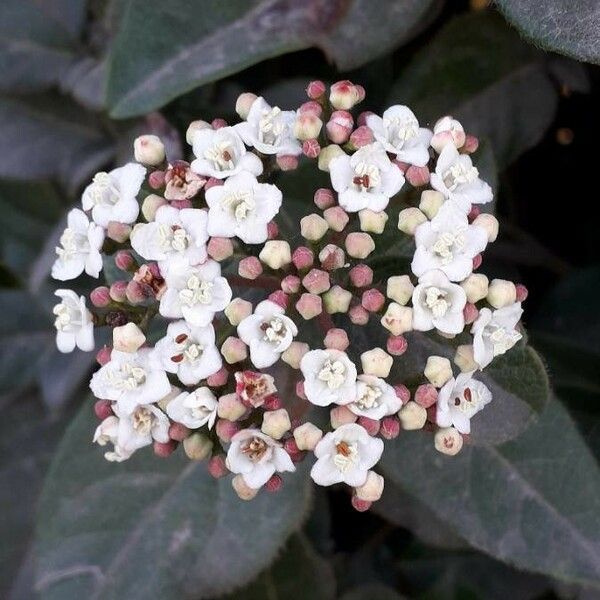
(327,154)
(244,103)
(250,267)
(402,392)
(372,300)
(290,284)
(149,150)
(237,310)
(409,219)
(316,281)
(218,379)
(426,395)
(119,232)
(276,254)
(400,288)
(337,300)
(197,446)
(124,261)
(376,362)
(311,148)
(448,441)
(470,313)
(358,315)
(464,358)
(438,370)
(100,297)
(337,218)
(489,223)
(151,204)
(361,136)
(307,436)
(417,176)
(471,144)
(359,244)
(324,198)
(522,292)
(218,123)
(156,179)
(371,426)
(336,339)
(339,126)
(219,248)
(372,222)
(501,293)
(361,275)
(128,338)
(313,227)
(315,89)
(234,350)
(287,162)
(309,306)
(226,429)
(103,409)
(217,467)
(242,489)
(276,423)
(117,291)
(390,428)
(341,415)
(372,489)
(396,345)
(193,127)
(431,202)
(412,416)
(302,258)
(447,131)
(230,407)
(332,257)
(343,95)
(307,126)
(293,355)
(397,319)
(476,287)
(164,450)
(360,505)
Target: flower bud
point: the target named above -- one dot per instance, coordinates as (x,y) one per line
(372,300)
(341,415)
(197,446)
(272,230)
(476,287)
(124,261)
(212,182)
(100,297)
(501,293)
(156,179)
(164,450)
(336,339)
(309,306)
(316,281)
(360,505)
(417,176)
(400,288)
(343,95)
(376,362)
(396,345)
(117,291)
(178,432)
(242,489)
(359,245)
(361,136)
(293,355)
(103,409)
(464,358)
(426,395)
(373,222)
(151,204)
(279,297)
(327,154)
(362,117)
(337,300)
(230,407)
(313,227)
(250,267)
(219,248)
(237,310)
(135,292)
(332,257)
(307,126)
(311,107)
(412,416)
(315,89)
(337,218)
(302,258)
(358,315)
(274,483)
(397,319)
(119,232)
(522,292)
(447,131)
(361,275)
(290,284)
(471,144)
(324,198)
(244,103)
(276,254)
(300,390)
(390,428)
(339,126)
(218,123)
(311,148)
(448,441)
(371,426)
(193,127)
(149,150)
(470,313)
(287,162)
(372,489)
(234,350)
(226,429)
(217,467)
(489,223)
(409,219)
(128,338)
(218,379)
(438,370)
(307,436)
(431,202)
(276,423)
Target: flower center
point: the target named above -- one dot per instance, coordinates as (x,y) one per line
(255,448)
(275,330)
(103,191)
(189,350)
(173,238)
(369,397)
(196,292)
(366,177)
(501,339)
(143,420)
(72,243)
(271,126)
(221,155)
(448,243)
(333,374)
(435,300)
(459,173)
(66,318)
(346,456)
(240,203)
(129,377)
(400,130)
(467,401)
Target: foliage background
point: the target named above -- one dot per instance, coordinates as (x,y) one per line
(518,517)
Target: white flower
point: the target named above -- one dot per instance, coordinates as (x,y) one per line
(112,196)
(174,234)
(131,379)
(242,207)
(448,243)
(367,179)
(346,455)
(329,377)
(270,129)
(438,303)
(194,410)
(257,457)
(79,249)
(189,351)
(375,398)
(195,293)
(494,333)
(399,132)
(221,153)
(74,326)
(107,433)
(459,400)
(268,333)
(457,178)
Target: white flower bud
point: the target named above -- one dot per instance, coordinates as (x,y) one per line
(448,441)
(464,358)
(476,287)
(489,223)
(128,338)
(313,227)
(412,416)
(409,219)
(307,436)
(327,154)
(293,355)
(242,489)
(438,370)
(150,205)
(149,150)
(197,446)
(371,490)
(337,300)
(431,201)
(501,293)
(230,407)
(400,288)
(376,362)
(276,423)
(372,222)
(276,254)
(193,127)
(397,319)
(237,310)
(307,126)
(244,103)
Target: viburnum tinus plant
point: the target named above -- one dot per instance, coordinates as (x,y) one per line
(212,379)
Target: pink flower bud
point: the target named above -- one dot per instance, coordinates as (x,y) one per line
(103,409)
(178,432)
(100,296)
(164,450)
(290,284)
(396,345)
(332,257)
(279,297)
(522,292)
(212,182)
(119,232)
(135,292)
(336,339)
(103,355)
(372,300)
(309,306)
(234,350)
(218,123)
(272,402)
(217,467)
(315,89)
(250,267)
(124,261)
(471,144)
(361,136)
(287,162)
(473,213)
(371,425)
(337,218)
(226,429)
(244,103)
(300,390)
(390,428)
(219,248)
(401,165)
(311,107)
(274,484)
(417,176)
(402,392)
(426,395)
(477,260)
(341,415)
(359,244)
(362,117)
(272,230)
(358,315)
(219,378)
(470,313)
(302,258)
(316,281)
(182,203)
(290,446)
(324,198)
(156,179)
(117,291)
(311,148)
(360,505)
(339,126)
(343,95)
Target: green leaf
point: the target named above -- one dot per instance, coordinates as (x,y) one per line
(148,528)
(165,49)
(571,28)
(532,502)
(478,69)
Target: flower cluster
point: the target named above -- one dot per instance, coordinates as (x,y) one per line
(234,307)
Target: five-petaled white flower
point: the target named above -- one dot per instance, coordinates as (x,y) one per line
(367,179)
(73,322)
(195,293)
(457,178)
(375,398)
(221,153)
(194,409)
(79,249)
(399,132)
(112,196)
(257,457)
(174,234)
(189,351)
(131,379)
(107,433)
(346,455)
(268,332)
(270,129)
(459,400)
(329,377)
(448,243)
(494,333)
(242,207)
(439,304)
